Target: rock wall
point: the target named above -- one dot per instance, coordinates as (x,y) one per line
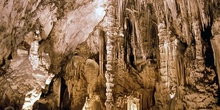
(109,54)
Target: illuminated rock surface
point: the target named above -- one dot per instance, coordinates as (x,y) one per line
(109,54)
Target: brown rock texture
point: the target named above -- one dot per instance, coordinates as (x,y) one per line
(109,54)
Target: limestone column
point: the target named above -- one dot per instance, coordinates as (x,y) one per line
(110,45)
(215,46)
(163,86)
(199,55)
(33,56)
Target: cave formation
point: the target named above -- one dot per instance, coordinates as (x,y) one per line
(109,54)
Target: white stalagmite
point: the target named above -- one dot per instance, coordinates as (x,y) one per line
(133,103)
(86,105)
(34,57)
(30,98)
(40,63)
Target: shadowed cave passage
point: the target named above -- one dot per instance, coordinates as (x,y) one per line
(206,36)
(64,98)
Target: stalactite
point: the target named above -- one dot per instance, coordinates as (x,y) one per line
(173,8)
(148,23)
(180,64)
(57,90)
(166,46)
(136,38)
(120,51)
(120,12)
(133,55)
(166,12)
(101,52)
(69,85)
(139,39)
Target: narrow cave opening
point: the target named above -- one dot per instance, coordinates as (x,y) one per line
(10,57)
(127,39)
(64,104)
(206,36)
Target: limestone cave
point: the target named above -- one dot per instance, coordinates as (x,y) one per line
(109,54)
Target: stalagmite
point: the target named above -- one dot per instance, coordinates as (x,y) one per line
(86,105)
(38,71)
(34,57)
(34,95)
(30,98)
(133,103)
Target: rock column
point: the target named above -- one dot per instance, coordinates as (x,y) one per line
(34,57)
(200,63)
(163,86)
(110,55)
(215,46)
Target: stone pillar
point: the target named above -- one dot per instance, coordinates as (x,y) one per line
(33,56)
(162,94)
(215,46)
(200,62)
(110,45)
(167,86)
